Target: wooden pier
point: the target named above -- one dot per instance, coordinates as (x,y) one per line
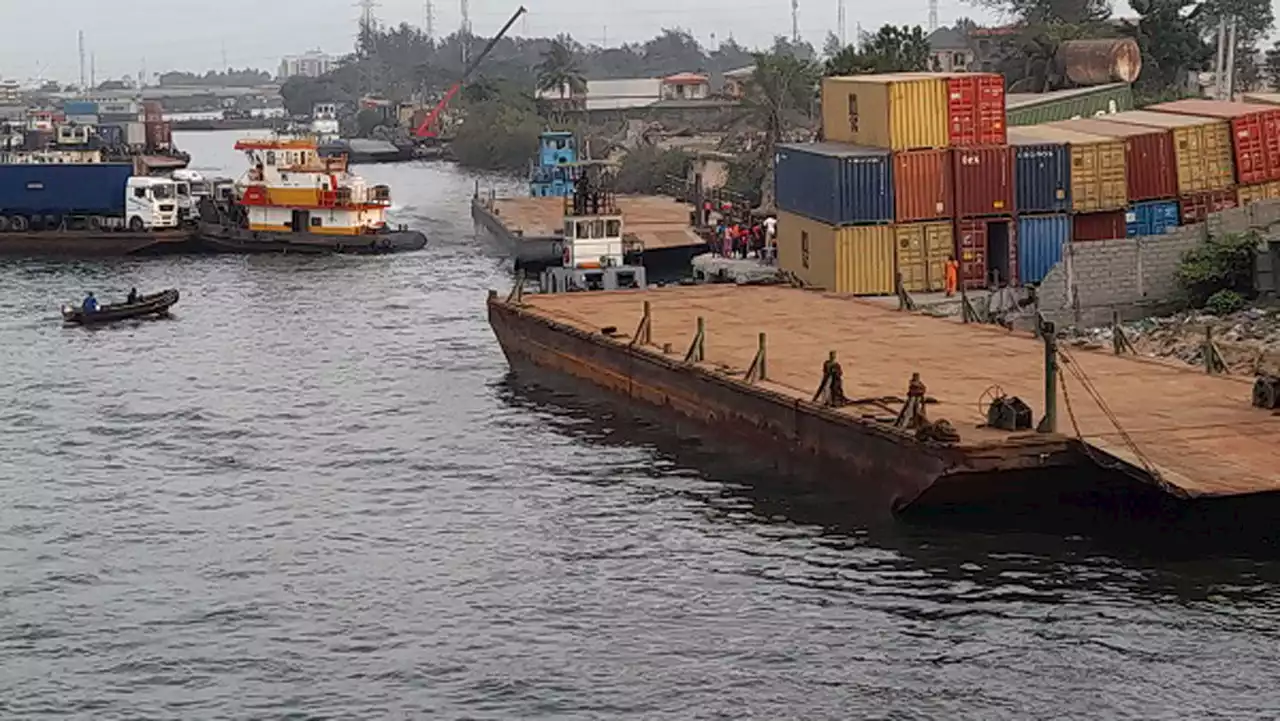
(1174,428)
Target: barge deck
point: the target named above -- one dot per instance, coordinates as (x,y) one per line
(1176,432)
(660,223)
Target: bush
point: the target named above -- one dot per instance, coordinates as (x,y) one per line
(1225,302)
(1222,264)
(497,135)
(650,170)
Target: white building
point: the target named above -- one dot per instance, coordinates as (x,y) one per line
(10,91)
(312,64)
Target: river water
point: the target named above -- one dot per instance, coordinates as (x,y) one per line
(314,494)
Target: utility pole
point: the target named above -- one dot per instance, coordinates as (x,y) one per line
(224,57)
(466,17)
(93,69)
(82,76)
(795,22)
(840,23)
(1231,59)
(1219,67)
(933,15)
(429,20)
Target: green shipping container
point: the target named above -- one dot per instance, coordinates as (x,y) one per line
(1037,108)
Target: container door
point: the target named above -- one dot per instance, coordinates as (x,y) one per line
(1084,178)
(911,256)
(972,246)
(1002,253)
(940,245)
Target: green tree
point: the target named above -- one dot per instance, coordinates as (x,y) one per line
(782,88)
(1272,65)
(831,46)
(498,134)
(559,70)
(1224,263)
(890,50)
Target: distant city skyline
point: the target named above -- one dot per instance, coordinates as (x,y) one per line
(125,38)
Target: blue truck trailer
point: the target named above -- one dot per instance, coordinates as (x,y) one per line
(57,189)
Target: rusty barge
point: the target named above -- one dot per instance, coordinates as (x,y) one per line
(532,229)
(745,361)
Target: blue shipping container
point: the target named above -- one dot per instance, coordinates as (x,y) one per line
(58,189)
(1042,173)
(80,107)
(1040,242)
(1153,218)
(835,183)
(111,135)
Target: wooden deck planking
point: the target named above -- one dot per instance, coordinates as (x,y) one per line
(1198,430)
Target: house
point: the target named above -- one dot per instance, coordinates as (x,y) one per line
(950,51)
(686,86)
(618,94)
(736,81)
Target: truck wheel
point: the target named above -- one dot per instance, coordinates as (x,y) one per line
(135,224)
(19,224)
(4,224)
(95,222)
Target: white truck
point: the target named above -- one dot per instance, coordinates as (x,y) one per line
(93,196)
(192,188)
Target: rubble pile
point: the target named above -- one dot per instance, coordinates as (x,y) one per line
(1249,340)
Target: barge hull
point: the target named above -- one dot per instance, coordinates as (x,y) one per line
(219,239)
(885,468)
(50,244)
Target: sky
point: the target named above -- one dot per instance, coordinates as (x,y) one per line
(124,36)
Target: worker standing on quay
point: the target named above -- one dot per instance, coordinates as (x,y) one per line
(952,275)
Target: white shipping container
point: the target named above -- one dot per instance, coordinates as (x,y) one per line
(118,108)
(82,119)
(135,134)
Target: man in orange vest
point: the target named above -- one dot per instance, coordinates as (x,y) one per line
(953,275)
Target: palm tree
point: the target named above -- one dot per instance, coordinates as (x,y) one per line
(780,93)
(559,70)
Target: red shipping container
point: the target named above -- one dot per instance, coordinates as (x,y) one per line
(976,106)
(1150,166)
(983,181)
(1255,134)
(987,249)
(1110,225)
(1196,208)
(921,185)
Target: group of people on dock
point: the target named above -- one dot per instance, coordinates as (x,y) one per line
(745,237)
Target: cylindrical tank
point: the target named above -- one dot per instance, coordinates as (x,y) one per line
(536,255)
(1096,62)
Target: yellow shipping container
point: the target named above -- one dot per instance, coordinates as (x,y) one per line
(1201,148)
(900,112)
(922,251)
(1098,180)
(857,259)
(1246,194)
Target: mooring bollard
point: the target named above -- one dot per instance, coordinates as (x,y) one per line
(759,366)
(696,352)
(1049,424)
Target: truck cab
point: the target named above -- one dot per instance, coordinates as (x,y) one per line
(151,204)
(191,188)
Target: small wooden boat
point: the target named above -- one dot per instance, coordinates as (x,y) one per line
(148,305)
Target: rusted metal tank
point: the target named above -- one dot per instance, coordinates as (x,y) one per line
(1097,62)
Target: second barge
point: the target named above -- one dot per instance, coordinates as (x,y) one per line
(743,363)
(658,233)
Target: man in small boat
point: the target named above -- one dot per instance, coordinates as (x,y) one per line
(90,304)
(133,296)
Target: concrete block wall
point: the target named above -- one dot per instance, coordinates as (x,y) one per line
(1137,276)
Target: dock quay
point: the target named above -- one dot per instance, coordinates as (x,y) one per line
(533,228)
(745,361)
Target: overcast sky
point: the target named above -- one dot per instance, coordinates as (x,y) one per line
(192,34)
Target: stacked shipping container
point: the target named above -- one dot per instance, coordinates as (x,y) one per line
(889,162)
(917,166)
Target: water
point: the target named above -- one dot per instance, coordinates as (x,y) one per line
(315,494)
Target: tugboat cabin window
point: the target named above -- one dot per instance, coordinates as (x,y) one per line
(614,229)
(568,229)
(316,222)
(271,157)
(584,229)
(597,229)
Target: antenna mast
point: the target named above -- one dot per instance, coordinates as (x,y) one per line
(82,77)
(933,15)
(429,20)
(840,23)
(795,22)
